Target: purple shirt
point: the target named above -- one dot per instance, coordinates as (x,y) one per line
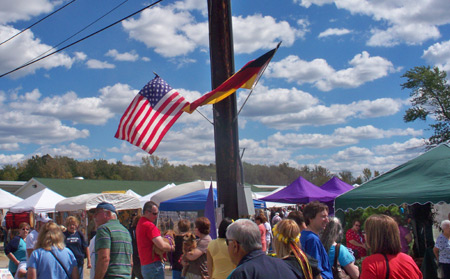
(403,232)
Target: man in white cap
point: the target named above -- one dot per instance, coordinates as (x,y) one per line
(32,237)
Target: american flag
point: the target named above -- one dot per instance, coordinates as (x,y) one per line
(150,115)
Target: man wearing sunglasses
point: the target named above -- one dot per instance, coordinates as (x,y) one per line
(147,236)
(245,250)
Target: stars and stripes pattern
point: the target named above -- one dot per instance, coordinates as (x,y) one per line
(150,115)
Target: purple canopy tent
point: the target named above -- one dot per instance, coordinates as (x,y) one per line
(336,186)
(301,191)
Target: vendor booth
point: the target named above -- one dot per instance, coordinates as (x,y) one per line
(41,202)
(126,205)
(7,200)
(301,191)
(416,184)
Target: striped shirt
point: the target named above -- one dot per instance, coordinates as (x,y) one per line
(112,235)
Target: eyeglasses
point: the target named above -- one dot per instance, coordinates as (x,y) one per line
(155,213)
(228,241)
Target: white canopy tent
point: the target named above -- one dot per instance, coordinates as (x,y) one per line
(148,197)
(259,195)
(90,201)
(7,200)
(133,193)
(43,201)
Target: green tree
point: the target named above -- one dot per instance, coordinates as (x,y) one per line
(430,98)
(367,173)
(347,177)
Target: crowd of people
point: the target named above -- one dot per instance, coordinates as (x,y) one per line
(298,244)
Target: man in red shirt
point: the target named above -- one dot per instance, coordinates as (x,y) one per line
(148,235)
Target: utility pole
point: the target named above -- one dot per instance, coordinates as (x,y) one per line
(226,137)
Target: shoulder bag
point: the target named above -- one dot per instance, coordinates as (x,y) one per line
(338,272)
(65,270)
(387,266)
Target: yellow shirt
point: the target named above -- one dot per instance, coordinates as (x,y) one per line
(222,265)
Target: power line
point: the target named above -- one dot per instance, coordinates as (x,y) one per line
(84,28)
(23,30)
(80,40)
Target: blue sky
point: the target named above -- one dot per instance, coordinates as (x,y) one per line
(331,95)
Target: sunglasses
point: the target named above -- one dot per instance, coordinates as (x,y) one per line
(228,241)
(25,229)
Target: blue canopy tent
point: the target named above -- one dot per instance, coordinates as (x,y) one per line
(195,201)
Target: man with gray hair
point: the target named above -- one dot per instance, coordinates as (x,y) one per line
(442,248)
(113,246)
(245,250)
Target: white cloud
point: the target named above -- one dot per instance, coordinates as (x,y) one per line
(256,32)
(12,11)
(334,32)
(11,159)
(117,97)
(36,129)
(9,146)
(24,49)
(381,158)
(97,64)
(175,23)
(165,24)
(413,145)
(267,102)
(364,68)
(68,107)
(410,22)
(126,56)
(439,55)
(283,109)
(71,150)
(340,137)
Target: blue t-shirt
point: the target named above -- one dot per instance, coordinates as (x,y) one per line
(344,257)
(312,246)
(47,267)
(77,244)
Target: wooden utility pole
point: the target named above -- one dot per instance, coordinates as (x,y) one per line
(226,137)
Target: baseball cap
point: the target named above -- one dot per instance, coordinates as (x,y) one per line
(107,206)
(43,217)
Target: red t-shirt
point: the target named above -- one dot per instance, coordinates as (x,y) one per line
(262,231)
(400,266)
(145,232)
(352,235)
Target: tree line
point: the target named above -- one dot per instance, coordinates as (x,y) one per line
(153,168)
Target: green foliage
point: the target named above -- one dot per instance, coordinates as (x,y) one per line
(430,98)
(153,168)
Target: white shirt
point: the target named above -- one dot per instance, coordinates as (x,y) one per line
(31,240)
(92,252)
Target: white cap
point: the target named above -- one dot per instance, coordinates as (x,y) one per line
(43,217)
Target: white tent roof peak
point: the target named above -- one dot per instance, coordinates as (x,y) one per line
(8,200)
(90,201)
(43,201)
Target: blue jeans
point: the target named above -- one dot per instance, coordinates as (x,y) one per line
(80,271)
(153,271)
(176,274)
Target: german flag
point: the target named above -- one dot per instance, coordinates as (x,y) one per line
(244,78)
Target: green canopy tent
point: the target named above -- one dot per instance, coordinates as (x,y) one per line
(424,179)
(420,182)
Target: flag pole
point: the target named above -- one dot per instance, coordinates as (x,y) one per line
(226,136)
